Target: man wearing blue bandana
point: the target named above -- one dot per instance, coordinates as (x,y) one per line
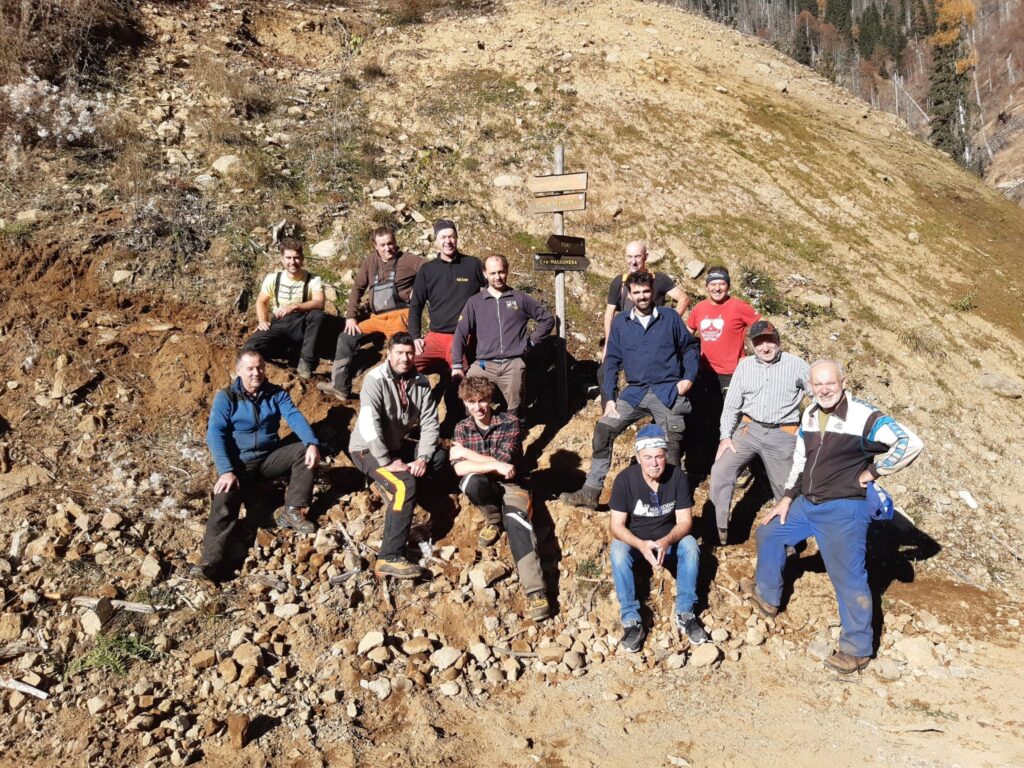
(651,518)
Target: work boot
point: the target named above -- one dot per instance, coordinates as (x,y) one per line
(398,567)
(723,536)
(201,572)
(690,626)
(537,605)
(294,517)
(748,588)
(845,663)
(489,535)
(305,369)
(633,636)
(584,497)
(329,389)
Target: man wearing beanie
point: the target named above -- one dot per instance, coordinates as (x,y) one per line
(651,509)
(443,285)
(760,418)
(720,322)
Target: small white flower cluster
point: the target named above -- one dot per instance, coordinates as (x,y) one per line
(38,112)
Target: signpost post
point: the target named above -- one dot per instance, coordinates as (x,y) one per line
(556,194)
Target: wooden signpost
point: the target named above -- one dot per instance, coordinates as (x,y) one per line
(557,193)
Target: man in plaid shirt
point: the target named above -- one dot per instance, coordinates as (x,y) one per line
(485,453)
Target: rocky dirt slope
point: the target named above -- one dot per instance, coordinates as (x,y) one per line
(130,263)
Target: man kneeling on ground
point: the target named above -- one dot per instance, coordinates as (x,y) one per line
(485,454)
(242,436)
(394,444)
(651,509)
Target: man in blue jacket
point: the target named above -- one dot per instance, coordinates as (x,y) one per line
(659,357)
(242,436)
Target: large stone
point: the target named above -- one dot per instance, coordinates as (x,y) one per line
(819,648)
(754,636)
(150,568)
(325,249)
(287,611)
(918,651)
(1002,385)
(548,652)
(445,657)
(693,268)
(371,640)
(203,659)
(30,216)
(228,670)
(482,575)
(381,688)
(417,645)
(11,625)
(248,655)
(704,655)
(93,620)
(238,730)
(97,704)
(574,660)
(507,181)
(226,165)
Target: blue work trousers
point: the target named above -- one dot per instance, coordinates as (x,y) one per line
(840,527)
(683,558)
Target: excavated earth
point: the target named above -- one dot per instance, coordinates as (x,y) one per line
(863,243)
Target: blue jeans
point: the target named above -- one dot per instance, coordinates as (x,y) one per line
(683,557)
(840,528)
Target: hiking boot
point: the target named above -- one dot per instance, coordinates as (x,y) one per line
(690,625)
(304,369)
(398,567)
(584,497)
(845,663)
(723,536)
(633,636)
(201,572)
(294,517)
(329,389)
(489,535)
(744,479)
(748,588)
(537,606)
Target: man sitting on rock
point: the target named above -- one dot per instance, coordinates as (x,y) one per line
(242,436)
(385,279)
(659,356)
(394,443)
(485,454)
(842,447)
(651,509)
(289,310)
(760,418)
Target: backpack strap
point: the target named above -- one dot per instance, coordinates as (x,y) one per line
(277,288)
(305,287)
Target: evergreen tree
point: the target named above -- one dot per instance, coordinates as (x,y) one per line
(837,13)
(869,31)
(951,114)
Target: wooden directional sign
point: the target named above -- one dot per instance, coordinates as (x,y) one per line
(559,182)
(558,203)
(559,262)
(566,245)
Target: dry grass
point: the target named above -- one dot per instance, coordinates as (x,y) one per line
(63,40)
(415,11)
(248,94)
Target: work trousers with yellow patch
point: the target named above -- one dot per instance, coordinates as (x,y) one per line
(508,506)
(398,489)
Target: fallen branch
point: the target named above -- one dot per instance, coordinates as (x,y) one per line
(28,690)
(13,650)
(341,578)
(124,605)
(356,545)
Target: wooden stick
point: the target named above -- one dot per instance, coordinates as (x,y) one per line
(124,605)
(17,685)
(514,654)
(13,650)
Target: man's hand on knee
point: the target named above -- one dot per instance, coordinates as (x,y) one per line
(725,445)
(352,327)
(611,411)
(225,483)
(312,457)
(779,510)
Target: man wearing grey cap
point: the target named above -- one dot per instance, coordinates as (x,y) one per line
(760,417)
(443,285)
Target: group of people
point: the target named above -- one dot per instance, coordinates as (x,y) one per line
(821,463)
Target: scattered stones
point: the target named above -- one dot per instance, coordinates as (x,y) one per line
(819,648)
(248,655)
(94,619)
(443,658)
(121,276)
(151,569)
(913,237)
(227,165)
(11,625)
(451,688)
(203,659)
(381,687)
(97,704)
(753,637)
(370,641)
(918,651)
(548,651)
(693,268)
(417,645)
(886,669)
(238,730)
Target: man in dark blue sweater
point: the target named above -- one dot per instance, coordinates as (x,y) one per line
(659,357)
(242,437)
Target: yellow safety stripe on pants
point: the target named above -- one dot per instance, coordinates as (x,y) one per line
(399,500)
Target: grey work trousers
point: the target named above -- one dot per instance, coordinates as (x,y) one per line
(509,376)
(773,445)
(608,428)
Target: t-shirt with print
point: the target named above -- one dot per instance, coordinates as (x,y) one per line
(721,329)
(290,291)
(619,296)
(649,514)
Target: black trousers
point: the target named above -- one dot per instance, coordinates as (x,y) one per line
(299,329)
(224,509)
(399,492)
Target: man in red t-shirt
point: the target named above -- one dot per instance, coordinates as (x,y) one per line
(720,322)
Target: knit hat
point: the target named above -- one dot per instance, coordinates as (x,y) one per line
(651,436)
(442,224)
(717,273)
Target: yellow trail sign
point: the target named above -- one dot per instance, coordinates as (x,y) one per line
(557,203)
(559,182)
